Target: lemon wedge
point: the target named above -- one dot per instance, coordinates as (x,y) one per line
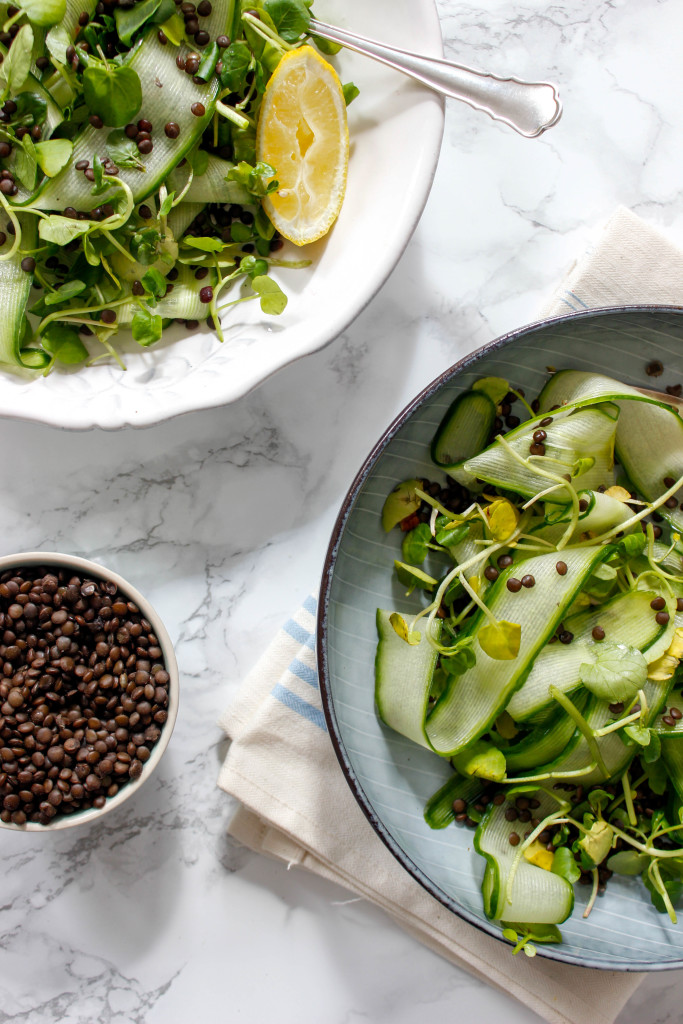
(302,133)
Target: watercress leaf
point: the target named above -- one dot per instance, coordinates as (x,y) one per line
(199,161)
(326,46)
(113,92)
(565,865)
(31,109)
(500,640)
(263,226)
(273,299)
(617,673)
(451,534)
(458,663)
(290,17)
(174,29)
(400,503)
(258,179)
(44,12)
(412,637)
(536,932)
(63,343)
(240,232)
(652,751)
(164,11)
(639,734)
(502,518)
(495,387)
(657,776)
(154,283)
(599,799)
(205,244)
(350,92)
(57,42)
(629,547)
(671,871)
(124,151)
(62,230)
(628,862)
(146,326)
(410,576)
(167,205)
(597,843)
(510,934)
(66,291)
(52,155)
(416,542)
(130,19)
(17,64)
(26,163)
(236,61)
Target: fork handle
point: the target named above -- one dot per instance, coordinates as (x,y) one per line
(528,107)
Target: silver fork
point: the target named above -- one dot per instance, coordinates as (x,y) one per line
(528,107)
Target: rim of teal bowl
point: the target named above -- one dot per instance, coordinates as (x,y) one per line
(550,952)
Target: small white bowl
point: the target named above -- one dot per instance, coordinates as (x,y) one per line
(84,566)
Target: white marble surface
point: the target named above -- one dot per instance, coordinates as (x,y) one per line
(222,518)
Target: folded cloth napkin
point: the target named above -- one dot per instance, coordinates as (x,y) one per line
(293,801)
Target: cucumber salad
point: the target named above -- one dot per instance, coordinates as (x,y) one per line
(543,658)
(129,185)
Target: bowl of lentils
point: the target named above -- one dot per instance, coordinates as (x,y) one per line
(88,690)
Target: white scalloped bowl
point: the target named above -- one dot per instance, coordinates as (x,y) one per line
(395,127)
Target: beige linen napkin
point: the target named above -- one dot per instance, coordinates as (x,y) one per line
(294,803)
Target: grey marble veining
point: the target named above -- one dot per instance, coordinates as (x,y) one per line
(222,519)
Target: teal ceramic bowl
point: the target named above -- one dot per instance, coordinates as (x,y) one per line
(391,777)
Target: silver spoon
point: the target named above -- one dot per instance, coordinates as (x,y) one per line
(528,107)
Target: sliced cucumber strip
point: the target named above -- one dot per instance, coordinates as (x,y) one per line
(439,811)
(162,83)
(473,701)
(602,513)
(464,430)
(212,186)
(649,438)
(626,619)
(545,742)
(572,436)
(403,677)
(15,288)
(536,896)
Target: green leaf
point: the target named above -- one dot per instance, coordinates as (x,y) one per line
(26,163)
(167,205)
(44,12)
(671,871)
(155,283)
(628,862)
(451,533)
(62,230)
(412,637)
(501,518)
(461,661)
(17,64)
(199,161)
(258,179)
(617,673)
(350,92)
(481,759)
(130,19)
(565,865)
(66,291)
(326,46)
(205,244)
(174,29)
(122,150)
(31,109)
(495,387)
(597,843)
(236,62)
(410,576)
(500,640)
(57,42)
(416,542)
(146,326)
(63,343)
(113,92)
(402,502)
(290,17)
(255,268)
(273,299)
(510,934)
(582,466)
(657,776)
(53,155)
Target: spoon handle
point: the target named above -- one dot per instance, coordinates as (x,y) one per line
(528,107)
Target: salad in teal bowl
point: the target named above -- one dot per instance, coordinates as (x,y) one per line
(501,632)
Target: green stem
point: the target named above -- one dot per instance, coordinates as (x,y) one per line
(582,724)
(628,798)
(594,893)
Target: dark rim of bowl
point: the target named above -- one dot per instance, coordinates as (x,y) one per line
(548,951)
